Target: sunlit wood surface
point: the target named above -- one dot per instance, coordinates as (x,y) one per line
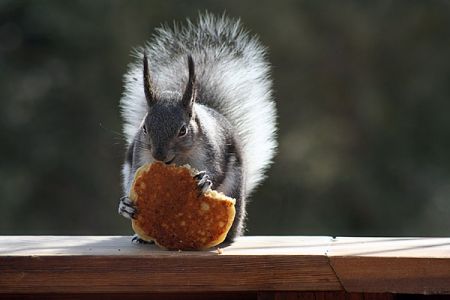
(263,264)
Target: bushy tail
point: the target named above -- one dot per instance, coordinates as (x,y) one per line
(232,76)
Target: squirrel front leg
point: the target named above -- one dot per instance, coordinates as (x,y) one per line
(126,207)
(233,186)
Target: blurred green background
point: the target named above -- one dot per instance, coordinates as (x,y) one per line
(363,95)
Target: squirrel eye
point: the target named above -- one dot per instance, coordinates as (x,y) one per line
(183,131)
(144,129)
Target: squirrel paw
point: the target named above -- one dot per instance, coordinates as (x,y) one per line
(127,208)
(203,181)
(137,240)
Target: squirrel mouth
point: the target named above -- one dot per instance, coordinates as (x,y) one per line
(170,161)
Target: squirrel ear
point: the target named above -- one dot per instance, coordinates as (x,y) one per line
(147,82)
(191,91)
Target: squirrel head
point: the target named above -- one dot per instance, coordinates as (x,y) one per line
(169,129)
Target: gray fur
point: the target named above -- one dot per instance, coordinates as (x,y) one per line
(231,123)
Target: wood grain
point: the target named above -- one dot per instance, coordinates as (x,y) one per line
(339,295)
(111,264)
(217,296)
(134,296)
(121,246)
(392,265)
(390,247)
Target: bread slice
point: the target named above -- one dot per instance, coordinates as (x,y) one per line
(173,213)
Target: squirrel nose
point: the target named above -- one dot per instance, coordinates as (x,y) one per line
(160,155)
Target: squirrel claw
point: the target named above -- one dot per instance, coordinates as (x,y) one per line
(203,181)
(138,240)
(127,208)
(200,175)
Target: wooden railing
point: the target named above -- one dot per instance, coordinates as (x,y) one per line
(268,267)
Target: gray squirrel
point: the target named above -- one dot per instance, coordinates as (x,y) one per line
(201,95)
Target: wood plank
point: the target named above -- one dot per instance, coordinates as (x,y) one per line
(390,247)
(338,295)
(134,296)
(40,264)
(121,246)
(110,264)
(392,265)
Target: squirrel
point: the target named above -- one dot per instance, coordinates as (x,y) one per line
(201,95)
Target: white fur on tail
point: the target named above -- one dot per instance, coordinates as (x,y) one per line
(232,76)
